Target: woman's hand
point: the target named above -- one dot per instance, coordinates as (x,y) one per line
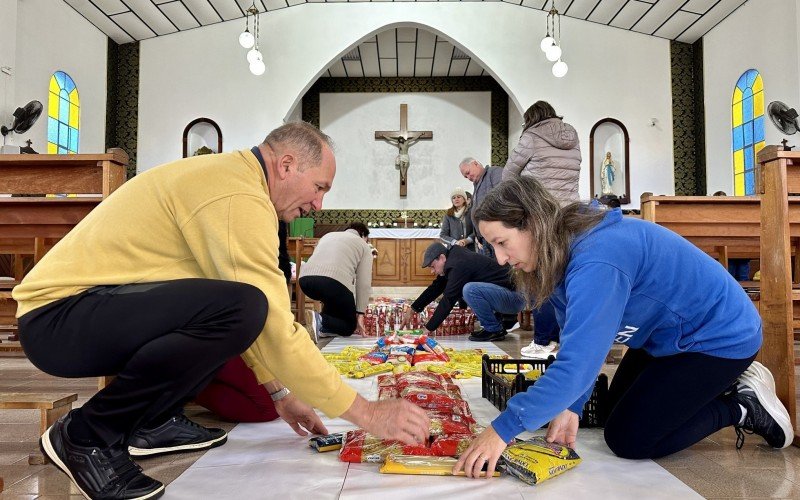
(299,416)
(564,428)
(485,449)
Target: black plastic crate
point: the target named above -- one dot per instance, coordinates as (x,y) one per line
(498,390)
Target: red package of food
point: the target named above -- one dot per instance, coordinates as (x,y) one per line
(432,401)
(444,424)
(358,446)
(386,380)
(450,446)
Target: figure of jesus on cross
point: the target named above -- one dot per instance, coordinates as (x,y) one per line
(403,139)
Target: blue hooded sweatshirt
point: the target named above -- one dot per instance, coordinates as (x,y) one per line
(635,283)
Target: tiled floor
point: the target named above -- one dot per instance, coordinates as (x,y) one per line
(713,467)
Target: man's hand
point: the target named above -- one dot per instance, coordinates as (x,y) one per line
(564,428)
(484,449)
(407,313)
(390,419)
(360,328)
(299,416)
(461,243)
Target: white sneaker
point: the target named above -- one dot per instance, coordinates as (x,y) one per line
(312,325)
(536,351)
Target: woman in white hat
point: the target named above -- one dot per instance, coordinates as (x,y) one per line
(456,225)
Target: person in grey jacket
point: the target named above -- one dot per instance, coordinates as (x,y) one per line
(339,274)
(483,179)
(456,224)
(549,151)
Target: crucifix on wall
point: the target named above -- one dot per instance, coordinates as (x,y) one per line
(403,139)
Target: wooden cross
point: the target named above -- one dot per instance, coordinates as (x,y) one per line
(403,139)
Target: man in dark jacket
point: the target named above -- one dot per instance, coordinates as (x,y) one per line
(455,268)
(483,179)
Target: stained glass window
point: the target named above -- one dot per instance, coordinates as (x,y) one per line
(63,115)
(748,130)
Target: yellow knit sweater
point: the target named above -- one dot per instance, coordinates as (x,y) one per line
(203,217)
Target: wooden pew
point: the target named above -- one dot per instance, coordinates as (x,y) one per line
(778,175)
(302,250)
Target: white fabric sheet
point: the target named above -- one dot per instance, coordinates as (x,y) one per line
(268,460)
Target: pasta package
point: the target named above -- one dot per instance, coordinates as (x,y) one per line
(425,466)
(536,460)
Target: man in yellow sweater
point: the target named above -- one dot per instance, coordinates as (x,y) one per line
(161,284)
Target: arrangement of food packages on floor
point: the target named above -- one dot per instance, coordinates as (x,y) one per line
(405,351)
(386,315)
(452,429)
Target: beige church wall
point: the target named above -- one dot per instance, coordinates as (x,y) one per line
(613,72)
(366,173)
(51,36)
(515,121)
(761,35)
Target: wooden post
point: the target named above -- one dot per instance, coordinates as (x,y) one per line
(777,350)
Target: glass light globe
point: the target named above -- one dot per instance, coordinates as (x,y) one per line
(560,69)
(257,67)
(246,39)
(254,55)
(547,41)
(553,53)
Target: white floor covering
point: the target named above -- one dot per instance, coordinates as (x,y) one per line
(268,460)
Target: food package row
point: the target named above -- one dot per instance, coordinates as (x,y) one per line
(380,318)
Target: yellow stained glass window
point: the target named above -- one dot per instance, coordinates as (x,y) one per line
(63,115)
(747,130)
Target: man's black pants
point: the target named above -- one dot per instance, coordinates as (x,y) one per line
(164,341)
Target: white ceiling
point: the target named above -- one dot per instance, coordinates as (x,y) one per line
(403,51)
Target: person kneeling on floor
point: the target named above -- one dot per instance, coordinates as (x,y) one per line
(456,268)
(689,369)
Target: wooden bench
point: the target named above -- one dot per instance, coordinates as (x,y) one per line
(766,226)
(302,250)
(51,406)
(31,222)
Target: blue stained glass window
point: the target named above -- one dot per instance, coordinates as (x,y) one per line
(747,109)
(747,126)
(749,182)
(63,115)
(738,138)
(758,131)
(748,133)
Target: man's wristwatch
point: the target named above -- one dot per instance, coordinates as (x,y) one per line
(279,394)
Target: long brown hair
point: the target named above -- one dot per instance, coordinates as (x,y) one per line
(522,203)
(539,111)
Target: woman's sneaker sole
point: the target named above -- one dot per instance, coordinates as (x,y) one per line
(769,400)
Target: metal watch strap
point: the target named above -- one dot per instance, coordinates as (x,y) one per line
(280,394)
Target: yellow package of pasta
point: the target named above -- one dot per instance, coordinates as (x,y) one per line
(536,460)
(422,466)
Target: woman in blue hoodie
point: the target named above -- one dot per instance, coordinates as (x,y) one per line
(689,369)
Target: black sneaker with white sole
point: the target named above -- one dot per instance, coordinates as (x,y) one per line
(483,335)
(766,415)
(99,473)
(175,435)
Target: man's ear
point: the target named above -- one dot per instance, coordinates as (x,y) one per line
(285,164)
